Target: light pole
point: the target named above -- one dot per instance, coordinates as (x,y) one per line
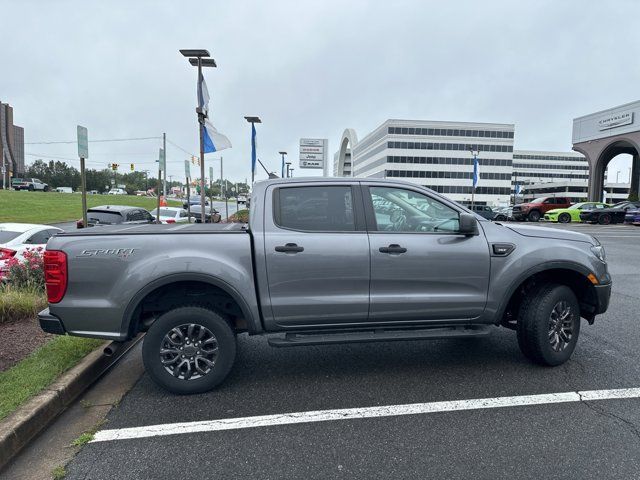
(282,170)
(196,59)
(288,169)
(291,173)
(476,174)
(253,121)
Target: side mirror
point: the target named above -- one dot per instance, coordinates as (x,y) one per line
(468,224)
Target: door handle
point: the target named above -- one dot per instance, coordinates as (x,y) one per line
(289,248)
(393,248)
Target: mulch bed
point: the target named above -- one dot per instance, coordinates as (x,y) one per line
(18,339)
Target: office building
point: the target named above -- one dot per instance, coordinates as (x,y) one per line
(436,155)
(11,146)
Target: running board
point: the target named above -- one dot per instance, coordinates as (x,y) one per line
(320,338)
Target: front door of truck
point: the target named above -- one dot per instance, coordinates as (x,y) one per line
(421,268)
(317,256)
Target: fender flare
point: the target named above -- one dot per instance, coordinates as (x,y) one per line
(253,324)
(553,265)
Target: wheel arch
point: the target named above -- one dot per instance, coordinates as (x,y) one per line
(573,275)
(131,317)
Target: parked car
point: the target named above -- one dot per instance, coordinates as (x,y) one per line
(30,184)
(534,210)
(16,238)
(208,212)
(64,190)
(117,191)
(503,214)
(116,215)
(194,200)
(605,216)
(632,216)
(344,273)
(485,211)
(171,215)
(572,213)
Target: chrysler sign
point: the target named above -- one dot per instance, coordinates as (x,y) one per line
(615,120)
(313,152)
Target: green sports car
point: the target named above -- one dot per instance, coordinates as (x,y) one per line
(572,214)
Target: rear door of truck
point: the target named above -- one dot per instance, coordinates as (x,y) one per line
(316,255)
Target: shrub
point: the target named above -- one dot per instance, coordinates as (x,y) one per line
(28,274)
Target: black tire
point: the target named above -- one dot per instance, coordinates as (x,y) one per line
(181,317)
(46,189)
(535,322)
(604,219)
(31,188)
(534,216)
(564,218)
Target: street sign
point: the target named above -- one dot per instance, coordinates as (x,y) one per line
(83,142)
(187,169)
(313,152)
(163,160)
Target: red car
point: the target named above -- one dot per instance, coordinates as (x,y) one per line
(535,209)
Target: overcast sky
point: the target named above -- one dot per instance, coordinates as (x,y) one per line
(308,69)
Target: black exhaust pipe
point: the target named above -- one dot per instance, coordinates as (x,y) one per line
(111,348)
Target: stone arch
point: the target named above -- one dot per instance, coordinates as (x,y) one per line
(348,141)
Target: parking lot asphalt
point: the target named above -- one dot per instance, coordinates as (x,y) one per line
(579,439)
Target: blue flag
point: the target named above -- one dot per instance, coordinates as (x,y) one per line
(476,173)
(253,147)
(213,140)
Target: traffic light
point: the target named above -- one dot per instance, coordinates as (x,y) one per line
(114,166)
(132,167)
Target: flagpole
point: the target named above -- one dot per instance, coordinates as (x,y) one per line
(201,117)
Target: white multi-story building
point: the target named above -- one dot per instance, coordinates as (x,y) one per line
(436,155)
(538,167)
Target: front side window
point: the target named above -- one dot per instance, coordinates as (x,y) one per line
(321,208)
(400,210)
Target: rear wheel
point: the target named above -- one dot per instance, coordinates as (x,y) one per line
(564,218)
(534,216)
(189,350)
(604,219)
(549,324)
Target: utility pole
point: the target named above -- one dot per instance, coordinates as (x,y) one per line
(164,147)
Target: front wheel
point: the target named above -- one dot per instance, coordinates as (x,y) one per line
(549,324)
(534,216)
(604,219)
(189,350)
(564,218)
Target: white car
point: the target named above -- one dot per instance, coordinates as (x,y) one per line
(16,238)
(117,191)
(171,215)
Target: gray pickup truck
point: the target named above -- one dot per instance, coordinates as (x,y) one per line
(323,261)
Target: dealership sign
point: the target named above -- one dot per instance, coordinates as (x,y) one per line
(615,120)
(313,152)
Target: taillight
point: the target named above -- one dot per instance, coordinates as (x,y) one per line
(80,224)
(55,274)
(170,220)
(6,253)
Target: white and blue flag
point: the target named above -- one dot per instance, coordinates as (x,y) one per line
(476,171)
(212,139)
(203,95)
(518,188)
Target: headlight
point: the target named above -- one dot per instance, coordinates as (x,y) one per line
(598,251)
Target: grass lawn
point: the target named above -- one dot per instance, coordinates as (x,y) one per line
(51,207)
(40,369)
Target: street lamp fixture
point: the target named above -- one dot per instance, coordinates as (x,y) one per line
(282,168)
(196,59)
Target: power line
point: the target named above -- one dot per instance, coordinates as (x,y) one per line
(180,148)
(95,141)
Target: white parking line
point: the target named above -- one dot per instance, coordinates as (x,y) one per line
(357,413)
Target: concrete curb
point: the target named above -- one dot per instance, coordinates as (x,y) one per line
(34,416)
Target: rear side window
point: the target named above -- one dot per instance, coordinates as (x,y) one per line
(321,208)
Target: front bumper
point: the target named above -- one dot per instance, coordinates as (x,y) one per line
(603,294)
(50,323)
